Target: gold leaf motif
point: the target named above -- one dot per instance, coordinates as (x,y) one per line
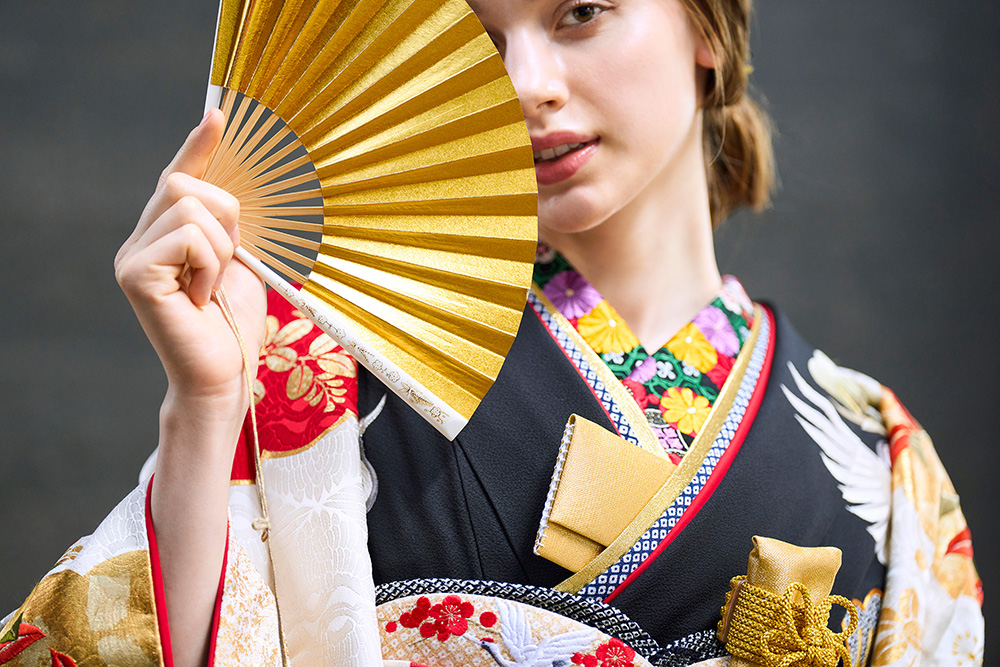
(337,363)
(292,332)
(281,359)
(299,382)
(270,329)
(909,605)
(889,616)
(899,631)
(258,391)
(321,345)
(888,651)
(70,554)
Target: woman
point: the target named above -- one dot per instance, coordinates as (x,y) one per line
(644,142)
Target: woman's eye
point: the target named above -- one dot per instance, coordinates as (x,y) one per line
(582,13)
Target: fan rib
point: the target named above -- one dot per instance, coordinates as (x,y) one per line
(279,250)
(270,234)
(288,183)
(250,145)
(225,162)
(280,223)
(218,162)
(282,211)
(246,125)
(275,264)
(266,171)
(277,200)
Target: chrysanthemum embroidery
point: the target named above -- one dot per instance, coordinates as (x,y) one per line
(692,347)
(687,410)
(316,375)
(605,331)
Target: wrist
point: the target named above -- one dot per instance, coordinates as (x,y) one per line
(206,426)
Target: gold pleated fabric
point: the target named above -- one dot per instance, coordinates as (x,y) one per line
(381,160)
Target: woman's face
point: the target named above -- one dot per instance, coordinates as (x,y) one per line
(619,77)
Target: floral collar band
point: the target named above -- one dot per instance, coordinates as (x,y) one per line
(675,386)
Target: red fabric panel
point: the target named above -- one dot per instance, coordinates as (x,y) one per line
(163,624)
(304,393)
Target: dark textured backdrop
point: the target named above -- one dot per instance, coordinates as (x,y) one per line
(882,244)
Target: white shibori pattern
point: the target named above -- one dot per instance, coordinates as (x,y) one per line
(576,357)
(609,580)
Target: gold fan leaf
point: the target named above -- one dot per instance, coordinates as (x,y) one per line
(383,168)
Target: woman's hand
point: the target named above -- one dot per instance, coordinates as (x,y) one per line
(181,250)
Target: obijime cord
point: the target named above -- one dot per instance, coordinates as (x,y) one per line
(261,523)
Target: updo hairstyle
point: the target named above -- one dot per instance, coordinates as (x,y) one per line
(738,152)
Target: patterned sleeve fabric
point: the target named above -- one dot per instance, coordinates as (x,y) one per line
(96,605)
(931,613)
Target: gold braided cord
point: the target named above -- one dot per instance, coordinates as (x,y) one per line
(262,523)
(786,630)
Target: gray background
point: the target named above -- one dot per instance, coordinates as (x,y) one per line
(881,245)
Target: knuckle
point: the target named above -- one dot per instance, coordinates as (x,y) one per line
(231,206)
(174,185)
(189,206)
(191,233)
(124,275)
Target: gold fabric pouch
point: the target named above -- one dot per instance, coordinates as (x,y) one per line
(600,483)
(778,613)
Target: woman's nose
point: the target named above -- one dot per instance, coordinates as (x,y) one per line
(537,73)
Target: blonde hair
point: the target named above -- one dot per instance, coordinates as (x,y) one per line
(738,152)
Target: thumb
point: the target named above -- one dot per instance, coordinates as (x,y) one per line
(193,157)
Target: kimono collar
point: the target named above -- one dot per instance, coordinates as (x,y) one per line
(683,378)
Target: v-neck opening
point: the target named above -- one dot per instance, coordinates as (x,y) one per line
(675,385)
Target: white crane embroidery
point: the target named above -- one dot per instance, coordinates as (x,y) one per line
(863,477)
(515,632)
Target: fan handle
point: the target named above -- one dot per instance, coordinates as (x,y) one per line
(440,415)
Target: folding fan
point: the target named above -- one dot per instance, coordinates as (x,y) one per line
(386,183)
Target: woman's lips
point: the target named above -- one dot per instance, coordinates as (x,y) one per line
(550,172)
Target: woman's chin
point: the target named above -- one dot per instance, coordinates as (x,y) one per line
(563,215)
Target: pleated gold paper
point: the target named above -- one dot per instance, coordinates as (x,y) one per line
(381,161)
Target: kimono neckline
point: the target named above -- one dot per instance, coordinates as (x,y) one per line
(676,386)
